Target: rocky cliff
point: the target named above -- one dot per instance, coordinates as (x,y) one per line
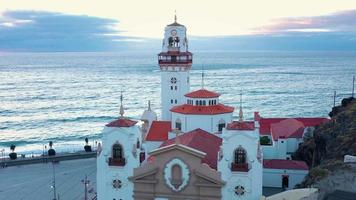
(325,150)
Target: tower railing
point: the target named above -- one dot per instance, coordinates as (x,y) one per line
(239,167)
(117,161)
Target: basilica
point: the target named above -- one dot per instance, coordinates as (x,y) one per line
(196,150)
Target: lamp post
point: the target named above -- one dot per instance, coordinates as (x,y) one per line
(54,182)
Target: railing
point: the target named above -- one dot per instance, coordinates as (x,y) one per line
(117,161)
(172,61)
(239,167)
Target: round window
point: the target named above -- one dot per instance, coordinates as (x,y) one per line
(239,190)
(116,184)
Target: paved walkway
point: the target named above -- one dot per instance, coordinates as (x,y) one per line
(33,182)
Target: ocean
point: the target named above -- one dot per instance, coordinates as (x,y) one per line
(65,97)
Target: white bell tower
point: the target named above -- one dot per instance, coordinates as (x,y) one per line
(175,62)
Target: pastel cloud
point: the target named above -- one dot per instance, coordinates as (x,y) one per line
(43,31)
(344,21)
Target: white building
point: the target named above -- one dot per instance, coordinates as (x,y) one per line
(196,145)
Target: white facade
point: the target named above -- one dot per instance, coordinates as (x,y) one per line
(209,123)
(175,62)
(250,181)
(174,85)
(108,175)
(273,177)
(281,149)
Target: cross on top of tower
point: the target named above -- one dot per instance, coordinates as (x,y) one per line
(122,112)
(241,114)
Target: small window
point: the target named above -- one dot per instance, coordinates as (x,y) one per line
(178,124)
(204,103)
(196,102)
(175,101)
(171,87)
(171,101)
(221,126)
(175,87)
(209,102)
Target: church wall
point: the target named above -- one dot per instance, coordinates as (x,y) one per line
(160,189)
(208,123)
(127,137)
(168,95)
(273,177)
(251,180)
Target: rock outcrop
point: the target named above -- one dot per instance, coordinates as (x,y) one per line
(324,152)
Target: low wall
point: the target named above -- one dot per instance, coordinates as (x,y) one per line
(44,159)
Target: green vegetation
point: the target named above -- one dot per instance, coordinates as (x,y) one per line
(264,140)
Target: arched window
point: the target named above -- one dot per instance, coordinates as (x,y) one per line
(204,103)
(196,102)
(240,156)
(117,151)
(176,173)
(200,102)
(178,124)
(117,158)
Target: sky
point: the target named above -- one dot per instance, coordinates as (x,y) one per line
(82,25)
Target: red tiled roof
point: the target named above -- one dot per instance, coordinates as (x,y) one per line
(236,125)
(312,121)
(202,141)
(202,93)
(202,110)
(265,123)
(159,131)
(122,122)
(288,128)
(285,164)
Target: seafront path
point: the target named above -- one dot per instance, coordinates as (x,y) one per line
(32,178)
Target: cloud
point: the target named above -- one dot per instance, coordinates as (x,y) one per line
(344,21)
(49,31)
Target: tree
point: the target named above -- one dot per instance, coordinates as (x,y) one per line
(13,154)
(51,151)
(87,147)
(265,140)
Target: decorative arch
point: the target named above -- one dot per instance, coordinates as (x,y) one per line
(240,162)
(240,156)
(172,167)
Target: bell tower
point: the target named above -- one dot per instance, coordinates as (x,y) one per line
(175,62)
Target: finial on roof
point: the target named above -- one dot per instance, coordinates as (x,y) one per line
(149,105)
(241,114)
(202,76)
(121,106)
(175,16)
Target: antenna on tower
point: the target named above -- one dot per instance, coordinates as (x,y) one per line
(241,114)
(202,76)
(121,106)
